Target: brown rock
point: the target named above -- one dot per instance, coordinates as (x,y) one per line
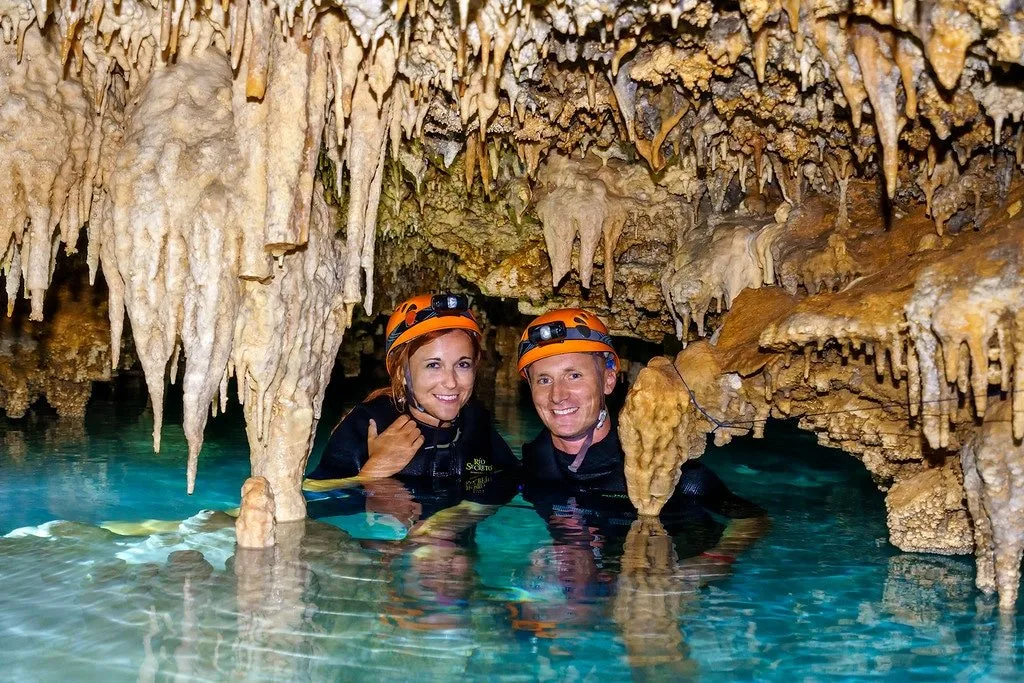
(255,525)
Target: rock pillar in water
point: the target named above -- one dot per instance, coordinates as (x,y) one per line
(993,463)
(255,527)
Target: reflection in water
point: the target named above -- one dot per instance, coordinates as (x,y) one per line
(445,584)
(429,588)
(56,434)
(431,617)
(15,445)
(923,591)
(653,590)
(276,598)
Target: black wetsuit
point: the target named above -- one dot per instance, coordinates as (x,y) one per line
(602,468)
(470,447)
(602,474)
(591,507)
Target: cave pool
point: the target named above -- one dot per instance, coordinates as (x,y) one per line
(821,595)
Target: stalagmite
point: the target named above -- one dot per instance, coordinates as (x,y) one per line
(287,335)
(255,525)
(993,463)
(655,435)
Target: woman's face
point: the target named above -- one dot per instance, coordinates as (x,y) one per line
(442,373)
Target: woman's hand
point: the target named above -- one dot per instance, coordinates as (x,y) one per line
(444,526)
(391,450)
(391,497)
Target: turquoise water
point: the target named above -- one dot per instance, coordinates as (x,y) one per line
(820,593)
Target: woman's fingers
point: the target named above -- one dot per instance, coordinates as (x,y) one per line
(402,430)
(393,448)
(400,423)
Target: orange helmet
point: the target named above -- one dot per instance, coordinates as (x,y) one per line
(566,330)
(423,314)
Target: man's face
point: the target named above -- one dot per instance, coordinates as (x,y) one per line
(567,391)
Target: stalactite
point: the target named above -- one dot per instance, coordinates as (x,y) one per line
(366,145)
(881,78)
(947,33)
(42,178)
(585,199)
(176,265)
(992,461)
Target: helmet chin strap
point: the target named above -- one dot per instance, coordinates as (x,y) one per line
(602,417)
(410,396)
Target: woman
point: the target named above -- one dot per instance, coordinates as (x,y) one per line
(425,424)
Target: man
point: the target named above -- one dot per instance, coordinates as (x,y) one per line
(574,475)
(567,358)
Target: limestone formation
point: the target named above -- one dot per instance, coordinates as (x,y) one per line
(926,512)
(58,359)
(655,432)
(993,462)
(255,525)
(898,367)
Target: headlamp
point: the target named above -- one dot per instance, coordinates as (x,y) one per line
(548,332)
(449,303)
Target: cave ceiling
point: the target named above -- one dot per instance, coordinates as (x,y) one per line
(557,117)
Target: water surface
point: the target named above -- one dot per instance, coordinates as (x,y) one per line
(476,592)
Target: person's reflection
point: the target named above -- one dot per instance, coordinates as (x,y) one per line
(652,567)
(430,568)
(566,587)
(391,497)
(429,587)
